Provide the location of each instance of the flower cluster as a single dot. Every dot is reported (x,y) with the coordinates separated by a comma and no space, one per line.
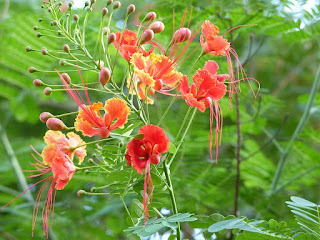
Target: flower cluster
(148,73)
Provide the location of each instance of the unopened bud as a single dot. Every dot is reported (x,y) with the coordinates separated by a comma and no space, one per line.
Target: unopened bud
(66,48)
(28,49)
(106,31)
(116,5)
(38,35)
(55,124)
(66,77)
(47,91)
(86,3)
(76,17)
(182,35)
(32,69)
(80,193)
(62,62)
(54,23)
(70,4)
(111,38)
(146,36)
(104,76)
(44,51)
(150,16)
(45,116)
(93,1)
(157,27)
(35,28)
(131,8)
(40,20)
(37,83)
(109,2)
(155,159)
(104,11)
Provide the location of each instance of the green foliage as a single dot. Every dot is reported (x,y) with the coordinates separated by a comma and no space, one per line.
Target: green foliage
(154,225)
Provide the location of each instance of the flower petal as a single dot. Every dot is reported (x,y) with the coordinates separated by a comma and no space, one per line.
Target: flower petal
(116,109)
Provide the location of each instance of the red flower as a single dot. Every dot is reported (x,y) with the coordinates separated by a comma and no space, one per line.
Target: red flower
(217,45)
(62,169)
(129,44)
(213,44)
(142,152)
(207,87)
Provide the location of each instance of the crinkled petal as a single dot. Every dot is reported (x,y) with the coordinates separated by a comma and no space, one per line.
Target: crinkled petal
(209,29)
(53,137)
(155,136)
(211,66)
(75,140)
(116,109)
(49,153)
(85,127)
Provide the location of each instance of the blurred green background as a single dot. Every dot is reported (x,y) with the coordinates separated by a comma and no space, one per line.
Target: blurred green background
(283,55)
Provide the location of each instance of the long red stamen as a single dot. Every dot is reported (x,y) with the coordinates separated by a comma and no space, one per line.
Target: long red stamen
(250,25)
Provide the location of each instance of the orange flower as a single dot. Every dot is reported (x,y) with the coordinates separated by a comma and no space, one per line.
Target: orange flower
(213,44)
(152,73)
(62,170)
(129,44)
(208,87)
(90,122)
(58,142)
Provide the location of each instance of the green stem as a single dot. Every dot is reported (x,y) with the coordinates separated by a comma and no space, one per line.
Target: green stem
(298,130)
(172,197)
(184,135)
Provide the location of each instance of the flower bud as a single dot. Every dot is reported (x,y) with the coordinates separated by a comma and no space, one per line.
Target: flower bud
(32,69)
(157,27)
(116,5)
(38,35)
(104,76)
(44,51)
(111,38)
(62,62)
(35,28)
(66,77)
(182,35)
(70,4)
(155,159)
(104,11)
(40,20)
(76,17)
(109,2)
(47,91)
(66,48)
(106,31)
(28,49)
(55,124)
(146,36)
(45,116)
(80,193)
(37,83)
(54,23)
(131,8)
(86,3)
(150,16)
(93,1)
